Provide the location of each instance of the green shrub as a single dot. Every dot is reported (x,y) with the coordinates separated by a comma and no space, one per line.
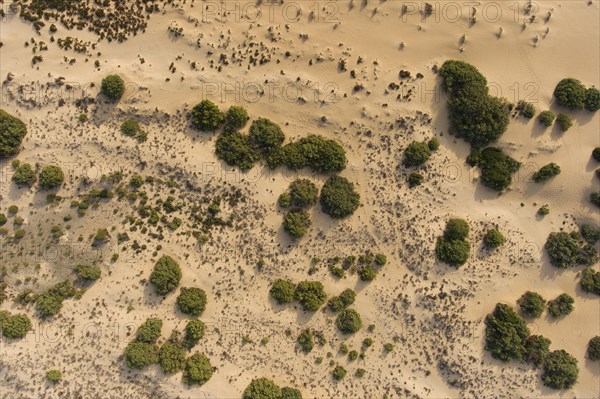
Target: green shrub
(265,136)
(3,219)
(171,357)
(564,122)
(380,259)
(590,281)
(311,295)
(283,291)
(493,239)
(15,326)
(290,393)
(537,348)
(262,388)
(53,376)
(88,272)
(305,339)
(24,175)
(149,331)
(595,198)
(526,109)
(194,331)
(48,304)
(315,152)
(348,321)
(570,93)
(136,181)
(546,172)
(338,198)
(166,275)
(192,301)
(456,229)
(546,118)
(562,305)
(544,210)
(452,252)
(505,334)
(459,75)
(433,144)
(562,249)
(12,132)
(596,154)
(303,193)
(497,168)
(296,223)
(593,350)
(235,119)
(130,128)
(417,153)
(285,200)
(234,148)
(415,179)
(140,354)
(590,233)
(592,99)
(113,87)
(560,370)
(345,299)
(206,116)
(367,273)
(51,177)
(339,373)
(532,304)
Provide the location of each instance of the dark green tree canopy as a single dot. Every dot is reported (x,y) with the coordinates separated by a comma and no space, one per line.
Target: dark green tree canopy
(113,87)
(560,370)
(192,301)
(338,198)
(265,136)
(283,291)
(149,331)
(166,275)
(12,132)
(262,388)
(311,294)
(51,177)
(303,193)
(349,321)
(235,149)
(505,334)
(235,119)
(296,223)
(532,304)
(417,153)
(594,348)
(206,116)
(198,370)
(497,168)
(570,93)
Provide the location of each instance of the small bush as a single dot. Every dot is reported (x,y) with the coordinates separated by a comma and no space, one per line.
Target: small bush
(130,128)
(493,239)
(415,179)
(537,348)
(171,357)
(166,275)
(206,116)
(303,193)
(24,175)
(305,339)
(311,295)
(296,223)
(349,321)
(544,210)
(53,376)
(12,132)
(198,370)
(149,331)
(526,109)
(497,168)
(338,198)
(262,388)
(367,273)
(345,299)
(532,304)
(590,281)
(564,122)
(505,334)
(593,350)
(562,305)
(283,291)
(592,99)
(48,304)
(88,272)
(290,393)
(570,93)
(15,326)
(590,233)
(194,331)
(113,87)
(285,200)
(339,373)
(138,354)
(595,198)
(546,172)
(456,229)
(234,148)
(560,370)
(3,219)
(51,177)
(546,118)
(265,136)
(315,152)
(192,301)
(453,252)
(416,154)
(235,119)
(433,144)
(596,154)
(562,249)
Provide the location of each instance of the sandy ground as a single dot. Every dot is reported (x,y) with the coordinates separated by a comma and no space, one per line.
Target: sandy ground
(435,312)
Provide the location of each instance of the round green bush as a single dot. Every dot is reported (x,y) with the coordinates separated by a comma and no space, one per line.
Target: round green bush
(262,388)
(88,272)
(560,370)
(24,175)
(48,304)
(113,87)
(130,128)
(338,373)
(537,349)
(236,118)
(415,179)
(433,144)
(348,321)
(194,331)
(562,305)
(417,153)
(590,281)
(546,172)
(283,291)
(171,357)
(315,152)
(592,99)
(15,326)
(526,109)
(367,273)
(296,223)
(53,376)
(452,252)
(265,136)
(505,334)
(166,275)
(596,154)
(285,200)
(595,198)
(3,219)
(198,370)
(532,304)
(345,299)
(338,198)
(564,122)
(140,354)
(51,177)
(303,193)
(12,132)
(497,168)
(590,233)
(570,93)
(306,341)
(311,295)
(493,239)
(459,75)
(456,229)
(593,350)
(149,331)
(206,116)
(546,118)
(192,301)
(234,148)
(290,393)
(562,249)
